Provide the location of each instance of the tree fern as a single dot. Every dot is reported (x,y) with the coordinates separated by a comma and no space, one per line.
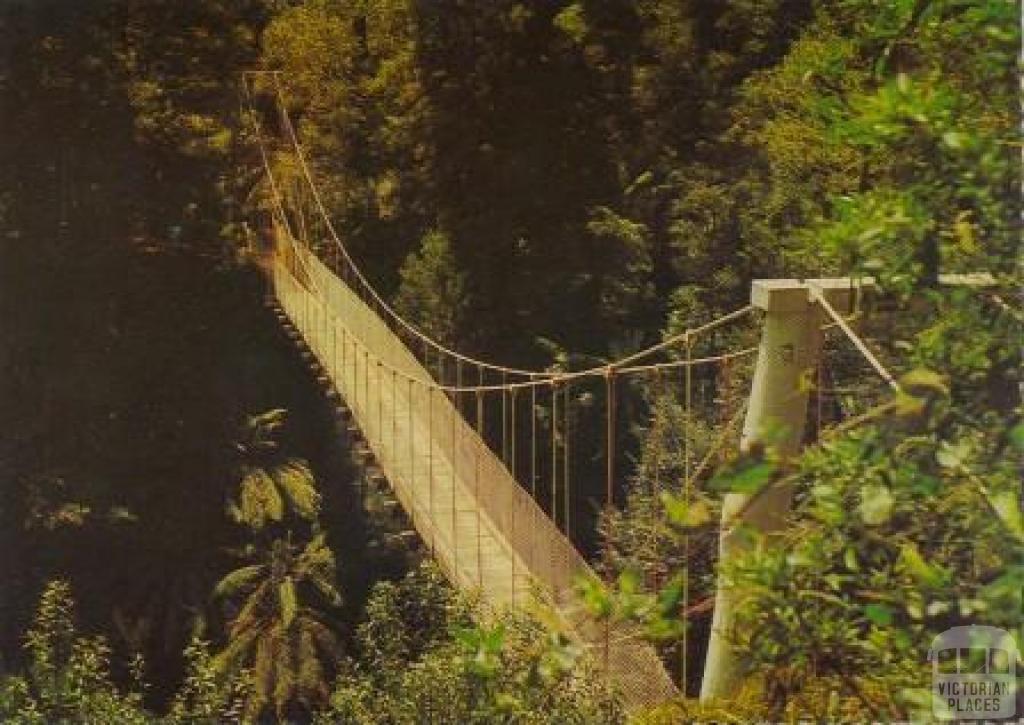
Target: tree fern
(271,485)
(281,639)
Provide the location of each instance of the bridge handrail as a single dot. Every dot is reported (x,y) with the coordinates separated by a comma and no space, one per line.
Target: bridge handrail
(535,376)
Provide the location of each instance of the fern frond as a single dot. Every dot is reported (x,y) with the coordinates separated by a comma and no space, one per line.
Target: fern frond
(288,601)
(330,592)
(238,580)
(310,677)
(233,512)
(269,420)
(262,427)
(323,636)
(236,652)
(259,499)
(296,481)
(284,682)
(264,665)
(317,560)
(247,618)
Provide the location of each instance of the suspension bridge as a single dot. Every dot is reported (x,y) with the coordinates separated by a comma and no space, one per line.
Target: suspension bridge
(480,455)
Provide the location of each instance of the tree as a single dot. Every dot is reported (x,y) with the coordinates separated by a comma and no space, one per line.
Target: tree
(432,292)
(351,78)
(271,486)
(68,677)
(178,65)
(274,633)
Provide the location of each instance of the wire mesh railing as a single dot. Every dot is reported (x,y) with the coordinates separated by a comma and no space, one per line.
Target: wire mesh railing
(484,529)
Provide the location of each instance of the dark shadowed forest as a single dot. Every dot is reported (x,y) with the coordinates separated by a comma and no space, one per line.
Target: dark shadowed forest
(189,533)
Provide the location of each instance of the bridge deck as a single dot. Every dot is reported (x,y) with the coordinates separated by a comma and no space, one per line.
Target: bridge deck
(485,531)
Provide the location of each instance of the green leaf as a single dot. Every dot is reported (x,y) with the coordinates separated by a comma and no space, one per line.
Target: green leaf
(953,139)
(879,614)
(572,22)
(748,478)
(925,485)
(1006,504)
(685,514)
(595,596)
(468,637)
(850,559)
(917,567)
(629,581)
(922,381)
(909,406)
(1016,436)
(876,504)
(671,595)
(494,638)
(664,628)
(953,455)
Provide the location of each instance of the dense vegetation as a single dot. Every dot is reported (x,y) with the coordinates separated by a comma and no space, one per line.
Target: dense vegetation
(539,183)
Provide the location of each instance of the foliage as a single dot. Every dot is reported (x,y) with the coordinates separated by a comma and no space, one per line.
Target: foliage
(904,526)
(432,291)
(665,525)
(622,276)
(176,63)
(403,620)
(268,479)
(349,69)
(422,658)
(276,633)
(68,678)
(544,139)
(907,528)
(204,696)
